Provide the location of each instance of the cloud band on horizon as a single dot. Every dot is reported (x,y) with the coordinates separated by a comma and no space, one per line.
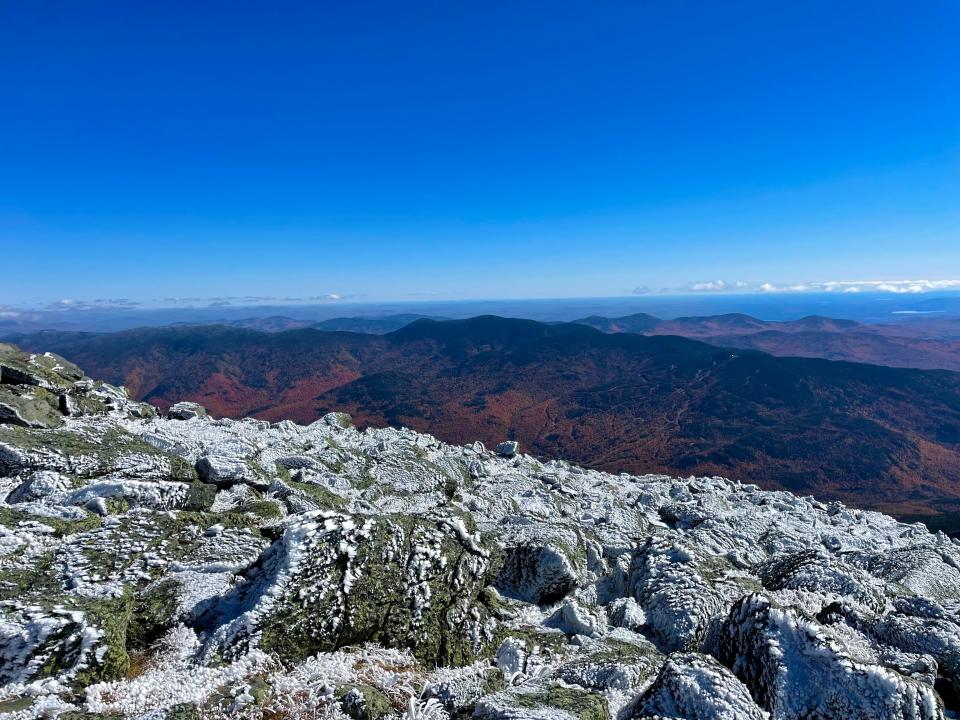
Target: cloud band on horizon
(845,286)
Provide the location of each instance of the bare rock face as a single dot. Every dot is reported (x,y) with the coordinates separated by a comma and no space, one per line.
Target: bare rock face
(168,567)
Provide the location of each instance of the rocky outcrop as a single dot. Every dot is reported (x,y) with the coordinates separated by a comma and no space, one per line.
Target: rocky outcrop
(696,687)
(508,448)
(186,411)
(335,579)
(537,573)
(796,669)
(38,391)
(29,406)
(48,371)
(165,566)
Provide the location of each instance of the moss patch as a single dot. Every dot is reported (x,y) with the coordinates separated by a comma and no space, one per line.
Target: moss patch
(153,614)
(11,518)
(325,498)
(11,705)
(363,702)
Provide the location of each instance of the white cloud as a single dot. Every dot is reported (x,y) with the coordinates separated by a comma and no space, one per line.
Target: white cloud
(710,286)
(846,286)
(721,286)
(100,304)
(891,286)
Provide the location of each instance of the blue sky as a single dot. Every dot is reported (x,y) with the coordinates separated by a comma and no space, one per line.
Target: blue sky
(468,150)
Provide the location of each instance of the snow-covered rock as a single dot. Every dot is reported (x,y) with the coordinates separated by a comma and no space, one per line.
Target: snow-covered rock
(186,411)
(508,448)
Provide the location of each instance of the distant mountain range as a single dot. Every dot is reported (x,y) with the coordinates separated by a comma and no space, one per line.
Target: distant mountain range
(926,343)
(376,325)
(876,436)
(919,340)
(929,343)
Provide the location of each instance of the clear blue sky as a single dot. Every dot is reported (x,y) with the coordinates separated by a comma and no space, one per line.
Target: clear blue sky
(408,149)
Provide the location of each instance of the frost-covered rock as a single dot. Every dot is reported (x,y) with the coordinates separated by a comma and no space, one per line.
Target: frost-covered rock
(680,591)
(542,701)
(186,411)
(574,619)
(47,371)
(508,448)
(32,407)
(796,670)
(226,471)
(626,613)
(39,485)
(540,574)
(696,687)
(333,579)
(619,663)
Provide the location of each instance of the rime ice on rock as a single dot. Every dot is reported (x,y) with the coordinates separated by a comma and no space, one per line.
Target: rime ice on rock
(508,448)
(186,411)
(159,567)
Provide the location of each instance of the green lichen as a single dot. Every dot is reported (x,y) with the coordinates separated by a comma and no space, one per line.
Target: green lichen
(16,704)
(373,706)
(38,584)
(378,607)
(579,703)
(339,419)
(548,641)
(12,517)
(334,465)
(62,649)
(183,711)
(181,469)
(66,448)
(325,498)
(263,510)
(259,690)
(367,479)
(154,612)
(117,505)
(200,496)
(112,616)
